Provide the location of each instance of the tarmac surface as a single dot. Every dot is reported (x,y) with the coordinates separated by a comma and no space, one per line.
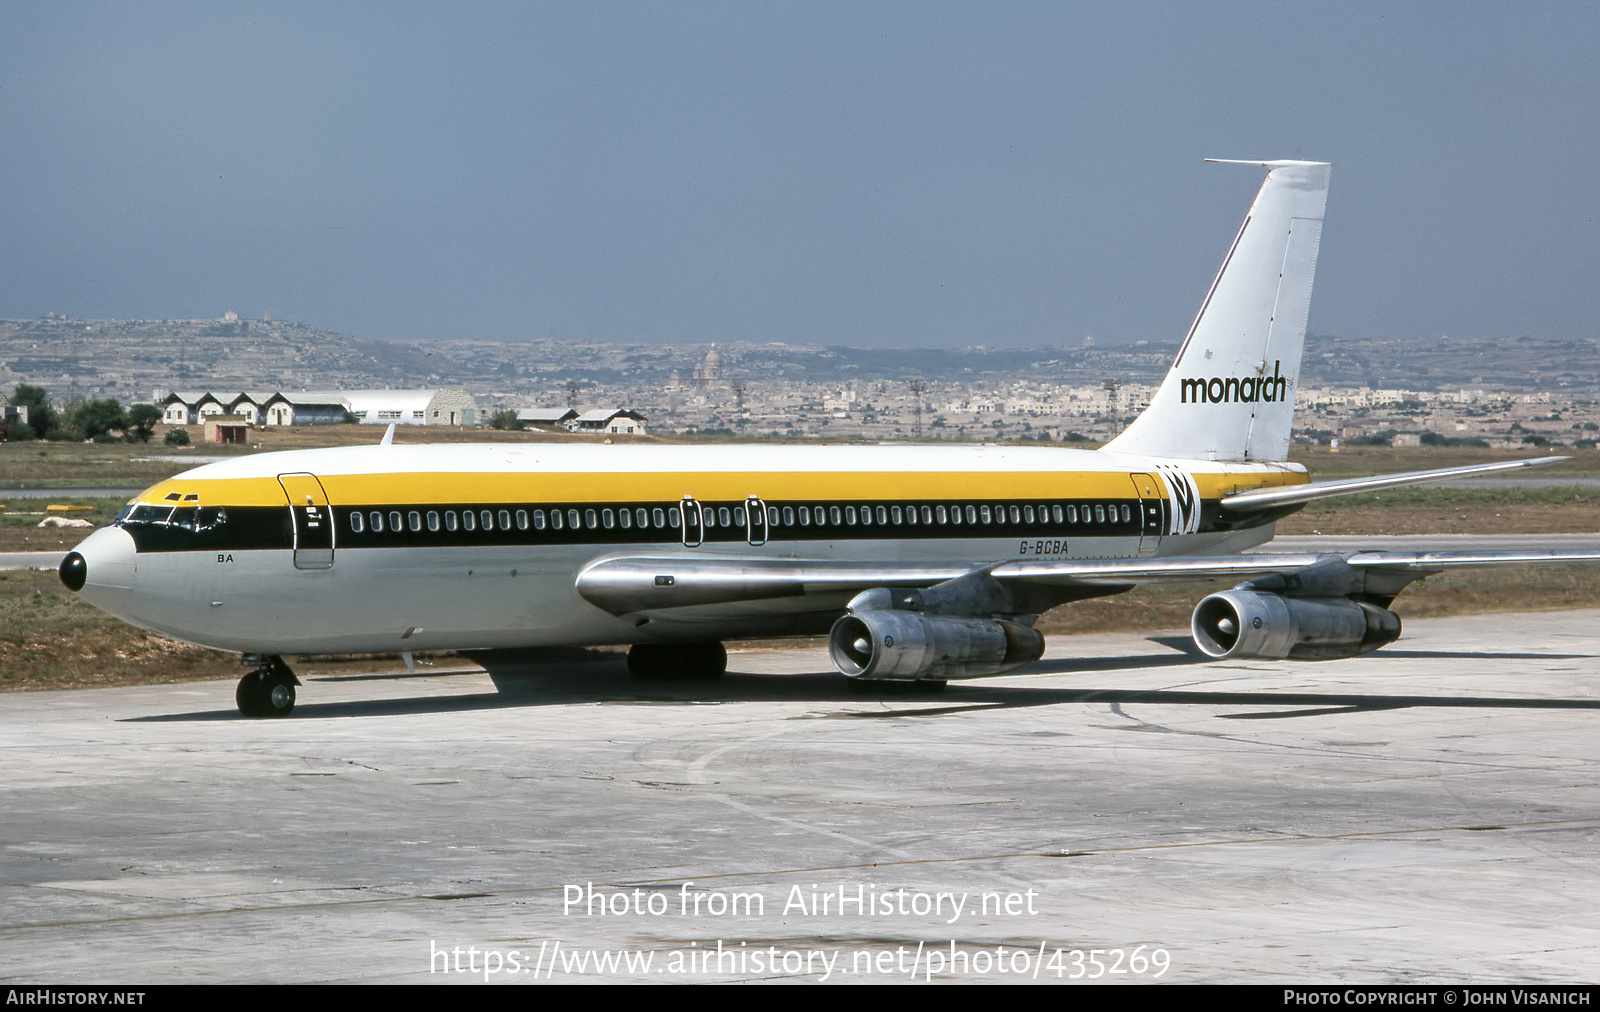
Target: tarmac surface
(1427,813)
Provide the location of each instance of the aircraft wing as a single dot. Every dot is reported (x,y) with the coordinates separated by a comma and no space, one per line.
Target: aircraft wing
(1174,570)
(624,586)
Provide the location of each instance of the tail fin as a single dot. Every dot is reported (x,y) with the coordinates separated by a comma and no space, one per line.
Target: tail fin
(1230,392)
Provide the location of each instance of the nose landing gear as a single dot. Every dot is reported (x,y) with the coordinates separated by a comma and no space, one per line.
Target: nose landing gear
(268,690)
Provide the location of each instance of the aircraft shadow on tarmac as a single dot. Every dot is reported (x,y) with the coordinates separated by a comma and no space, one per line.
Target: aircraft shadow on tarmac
(604,678)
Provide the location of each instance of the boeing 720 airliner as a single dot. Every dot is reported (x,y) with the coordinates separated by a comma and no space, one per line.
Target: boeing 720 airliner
(922,563)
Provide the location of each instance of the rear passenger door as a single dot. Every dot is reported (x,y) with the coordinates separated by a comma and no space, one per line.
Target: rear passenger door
(1150,519)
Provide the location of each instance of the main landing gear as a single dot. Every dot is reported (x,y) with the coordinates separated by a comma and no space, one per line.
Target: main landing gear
(268,690)
(661,662)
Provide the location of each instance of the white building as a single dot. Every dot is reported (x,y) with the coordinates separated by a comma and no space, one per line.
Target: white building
(446,406)
(621,421)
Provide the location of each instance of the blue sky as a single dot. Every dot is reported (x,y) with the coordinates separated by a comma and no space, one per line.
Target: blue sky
(896,174)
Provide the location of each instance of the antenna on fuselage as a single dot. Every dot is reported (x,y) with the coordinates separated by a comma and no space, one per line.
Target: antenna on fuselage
(388,436)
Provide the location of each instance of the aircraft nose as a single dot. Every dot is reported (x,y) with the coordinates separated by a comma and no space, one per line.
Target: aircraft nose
(100,570)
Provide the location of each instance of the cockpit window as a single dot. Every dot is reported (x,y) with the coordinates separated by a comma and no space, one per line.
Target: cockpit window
(187,518)
(147,514)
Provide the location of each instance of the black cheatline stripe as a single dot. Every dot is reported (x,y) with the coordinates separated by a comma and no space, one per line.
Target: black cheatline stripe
(269,527)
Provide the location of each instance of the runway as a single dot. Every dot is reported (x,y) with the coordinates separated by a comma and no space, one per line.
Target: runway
(31,560)
(1424,814)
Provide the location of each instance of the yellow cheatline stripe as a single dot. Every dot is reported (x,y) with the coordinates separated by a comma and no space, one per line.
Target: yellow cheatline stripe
(445,488)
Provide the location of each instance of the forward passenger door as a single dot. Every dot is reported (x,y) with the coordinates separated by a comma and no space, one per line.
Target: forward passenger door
(312,520)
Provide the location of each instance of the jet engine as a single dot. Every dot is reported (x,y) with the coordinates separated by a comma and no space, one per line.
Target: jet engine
(1243,623)
(907,646)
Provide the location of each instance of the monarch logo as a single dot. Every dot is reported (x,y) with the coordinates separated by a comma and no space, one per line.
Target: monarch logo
(1183,516)
(1243,389)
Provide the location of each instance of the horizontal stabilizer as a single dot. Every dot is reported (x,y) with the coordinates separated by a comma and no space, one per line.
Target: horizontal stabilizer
(1268,497)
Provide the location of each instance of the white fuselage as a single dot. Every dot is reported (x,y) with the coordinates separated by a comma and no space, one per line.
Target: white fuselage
(261,581)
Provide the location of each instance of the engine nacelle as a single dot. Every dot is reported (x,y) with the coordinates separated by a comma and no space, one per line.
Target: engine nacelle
(908,645)
(1250,623)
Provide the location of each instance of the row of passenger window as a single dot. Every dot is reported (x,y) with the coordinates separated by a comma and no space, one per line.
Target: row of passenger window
(1001,513)
(711,517)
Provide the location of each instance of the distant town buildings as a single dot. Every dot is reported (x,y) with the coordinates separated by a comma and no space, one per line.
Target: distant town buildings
(1506,392)
(709,372)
